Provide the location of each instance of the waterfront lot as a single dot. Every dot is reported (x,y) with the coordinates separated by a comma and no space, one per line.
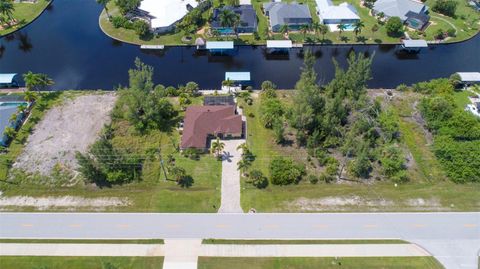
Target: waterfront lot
(427,190)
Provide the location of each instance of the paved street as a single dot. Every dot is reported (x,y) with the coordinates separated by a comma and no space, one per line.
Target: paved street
(453,238)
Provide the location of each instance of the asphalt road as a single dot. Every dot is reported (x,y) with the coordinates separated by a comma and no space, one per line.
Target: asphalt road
(453,238)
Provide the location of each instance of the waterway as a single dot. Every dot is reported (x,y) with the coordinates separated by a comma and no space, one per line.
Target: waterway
(67,44)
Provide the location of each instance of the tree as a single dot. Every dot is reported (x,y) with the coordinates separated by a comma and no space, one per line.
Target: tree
(6,11)
(30,96)
(284,29)
(304,28)
(394,27)
(104,3)
(315,26)
(284,171)
(142,29)
(445,7)
(9,132)
(36,81)
(358,27)
(323,30)
(217,147)
(369,3)
(374,29)
(270,110)
(126,6)
(341,27)
(229,19)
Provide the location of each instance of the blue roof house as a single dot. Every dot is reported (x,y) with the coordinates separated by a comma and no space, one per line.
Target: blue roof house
(294,15)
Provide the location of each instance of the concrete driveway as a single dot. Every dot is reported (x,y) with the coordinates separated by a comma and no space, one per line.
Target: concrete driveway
(230,202)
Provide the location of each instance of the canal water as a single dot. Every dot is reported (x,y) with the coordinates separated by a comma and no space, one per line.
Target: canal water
(67,44)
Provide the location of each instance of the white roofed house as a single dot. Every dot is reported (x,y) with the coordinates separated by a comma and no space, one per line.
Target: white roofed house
(411,12)
(344,13)
(164,14)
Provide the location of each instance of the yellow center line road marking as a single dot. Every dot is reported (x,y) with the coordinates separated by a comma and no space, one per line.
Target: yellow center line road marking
(419,225)
(222,226)
(26,225)
(470,225)
(369,226)
(123,226)
(272,226)
(320,226)
(75,225)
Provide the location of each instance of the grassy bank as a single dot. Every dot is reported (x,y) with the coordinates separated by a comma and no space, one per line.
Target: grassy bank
(25,13)
(314,263)
(427,190)
(80,262)
(82,241)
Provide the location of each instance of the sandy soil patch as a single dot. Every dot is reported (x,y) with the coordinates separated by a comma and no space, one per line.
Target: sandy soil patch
(337,203)
(65,129)
(64,202)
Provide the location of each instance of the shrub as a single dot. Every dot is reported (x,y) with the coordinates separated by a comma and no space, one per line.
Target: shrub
(313,179)
(191,153)
(451,32)
(394,27)
(326,178)
(142,29)
(439,34)
(258,179)
(284,171)
(121,22)
(402,88)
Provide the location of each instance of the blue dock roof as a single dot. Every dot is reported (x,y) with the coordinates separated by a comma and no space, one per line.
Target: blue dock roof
(219,45)
(237,76)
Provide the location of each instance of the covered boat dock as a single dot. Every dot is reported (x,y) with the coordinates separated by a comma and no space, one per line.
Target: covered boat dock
(220,47)
(411,45)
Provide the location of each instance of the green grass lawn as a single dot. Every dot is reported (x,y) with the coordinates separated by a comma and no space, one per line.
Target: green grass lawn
(82,241)
(306,242)
(26,262)
(315,263)
(25,13)
(427,184)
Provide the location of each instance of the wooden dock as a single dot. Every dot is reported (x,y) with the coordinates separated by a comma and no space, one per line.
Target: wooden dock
(152,47)
(297,45)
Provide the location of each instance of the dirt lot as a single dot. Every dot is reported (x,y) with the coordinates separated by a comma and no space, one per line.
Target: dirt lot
(65,129)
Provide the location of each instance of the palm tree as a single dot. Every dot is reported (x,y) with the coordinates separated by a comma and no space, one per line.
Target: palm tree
(30,96)
(21,108)
(315,27)
(358,27)
(104,3)
(243,147)
(217,147)
(323,30)
(374,29)
(243,166)
(341,27)
(229,19)
(304,28)
(9,132)
(36,81)
(284,29)
(6,11)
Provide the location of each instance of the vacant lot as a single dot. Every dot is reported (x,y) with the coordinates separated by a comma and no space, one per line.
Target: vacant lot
(428,189)
(65,129)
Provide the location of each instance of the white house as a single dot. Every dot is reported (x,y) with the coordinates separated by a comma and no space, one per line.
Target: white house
(165,13)
(341,14)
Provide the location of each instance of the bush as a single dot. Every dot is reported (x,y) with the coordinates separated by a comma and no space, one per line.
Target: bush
(445,7)
(121,22)
(439,34)
(394,27)
(324,177)
(402,88)
(191,153)
(313,179)
(126,6)
(451,32)
(258,179)
(141,27)
(285,171)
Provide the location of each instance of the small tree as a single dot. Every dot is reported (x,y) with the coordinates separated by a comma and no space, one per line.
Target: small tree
(358,27)
(9,132)
(217,147)
(323,30)
(284,171)
(341,27)
(284,29)
(30,96)
(394,27)
(258,179)
(445,7)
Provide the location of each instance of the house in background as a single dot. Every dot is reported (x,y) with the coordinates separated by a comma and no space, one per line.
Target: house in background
(333,15)
(294,15)
(202,123)
(248,20)
(413,13)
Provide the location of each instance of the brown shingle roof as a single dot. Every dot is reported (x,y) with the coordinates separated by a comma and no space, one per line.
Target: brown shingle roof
(201,121)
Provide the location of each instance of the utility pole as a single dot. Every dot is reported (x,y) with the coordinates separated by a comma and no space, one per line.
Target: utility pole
(161,164)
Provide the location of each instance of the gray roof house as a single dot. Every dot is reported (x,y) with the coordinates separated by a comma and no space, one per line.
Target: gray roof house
(294,15)
(248,19)
(413,13)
